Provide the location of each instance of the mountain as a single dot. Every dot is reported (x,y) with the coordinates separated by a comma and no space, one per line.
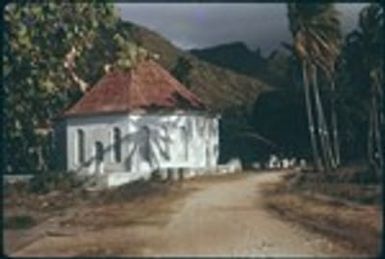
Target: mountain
(219,88)
(236,56)
(275,69)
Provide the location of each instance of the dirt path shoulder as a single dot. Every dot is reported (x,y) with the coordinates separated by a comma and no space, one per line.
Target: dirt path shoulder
(224,217)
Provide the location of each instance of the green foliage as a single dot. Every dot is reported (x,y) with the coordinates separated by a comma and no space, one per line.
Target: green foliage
(361,78)
(129,53)
(37,38)
(316,31)
(280,116)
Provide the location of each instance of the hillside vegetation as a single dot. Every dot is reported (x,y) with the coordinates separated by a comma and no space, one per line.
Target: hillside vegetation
(276,68)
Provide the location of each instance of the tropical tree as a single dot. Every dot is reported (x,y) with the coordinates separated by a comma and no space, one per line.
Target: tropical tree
(52,53)
(364,47)
(316,35)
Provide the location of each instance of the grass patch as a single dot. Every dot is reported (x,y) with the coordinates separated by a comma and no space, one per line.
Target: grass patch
(367,194)
(139,189)
(143,203)
(90,213)
(47,194)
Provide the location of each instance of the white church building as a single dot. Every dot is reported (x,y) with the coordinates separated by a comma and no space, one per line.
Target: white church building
(133,123)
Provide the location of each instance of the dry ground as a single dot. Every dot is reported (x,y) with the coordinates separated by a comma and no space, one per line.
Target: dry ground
(223,215)
(356,226)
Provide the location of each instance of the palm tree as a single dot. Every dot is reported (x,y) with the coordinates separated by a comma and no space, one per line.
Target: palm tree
(367,39)
(316,34)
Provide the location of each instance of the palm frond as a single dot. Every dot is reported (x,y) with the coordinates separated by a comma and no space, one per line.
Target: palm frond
(316,32)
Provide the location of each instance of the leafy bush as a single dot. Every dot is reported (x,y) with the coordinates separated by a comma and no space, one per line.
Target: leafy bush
(47,182)
(19,222)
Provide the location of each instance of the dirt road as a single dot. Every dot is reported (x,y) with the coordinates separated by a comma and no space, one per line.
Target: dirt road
(220,218)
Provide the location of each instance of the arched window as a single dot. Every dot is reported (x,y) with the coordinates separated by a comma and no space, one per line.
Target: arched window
(145,149)
(99,152)
(117,145)
(80,146)
(185,142)
(167,140)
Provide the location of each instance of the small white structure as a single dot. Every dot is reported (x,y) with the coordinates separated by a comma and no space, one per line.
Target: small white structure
(131,124)
(256,165)
(232,166)
(292,162)
(285,163)
(273,162)
(302,163)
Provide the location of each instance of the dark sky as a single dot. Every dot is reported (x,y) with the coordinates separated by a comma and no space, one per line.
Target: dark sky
(198,25)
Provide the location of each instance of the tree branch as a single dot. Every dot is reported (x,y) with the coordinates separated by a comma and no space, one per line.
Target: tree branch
(69,64)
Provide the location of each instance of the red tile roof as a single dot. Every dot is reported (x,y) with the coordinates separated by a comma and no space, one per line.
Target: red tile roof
(147,86)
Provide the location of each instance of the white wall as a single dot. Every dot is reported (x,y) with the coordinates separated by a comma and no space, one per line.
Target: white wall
(96,128)
(165,129)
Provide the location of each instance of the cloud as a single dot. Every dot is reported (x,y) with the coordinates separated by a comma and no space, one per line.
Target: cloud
(198,25)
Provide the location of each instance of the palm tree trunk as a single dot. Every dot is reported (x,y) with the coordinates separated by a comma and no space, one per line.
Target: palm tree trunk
(379,105)
(322,126)
(370,140)
(321,137)
(336,144)
(378,154)
(375,149)
(316,156)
